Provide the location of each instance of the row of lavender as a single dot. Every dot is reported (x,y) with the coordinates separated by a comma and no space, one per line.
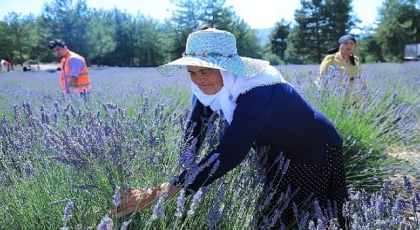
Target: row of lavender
(62,159)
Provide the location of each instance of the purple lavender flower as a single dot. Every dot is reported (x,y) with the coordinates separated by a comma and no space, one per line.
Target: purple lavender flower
(275,218)
(198,196)
(397,211)
(186,160)
(16,114)
(279,158)
(303,220)
(407,184)
(111,180)
(125,224)
(68,210)
(417,196)
(117,198)
(386,187)
(380,206)
(269,198)
(214,168)
(29,169)
(285,166)
(215,212)
(192,174)
(312,225)
(180,203)
(106,223)
(158,210)
(153,140)
(322,220)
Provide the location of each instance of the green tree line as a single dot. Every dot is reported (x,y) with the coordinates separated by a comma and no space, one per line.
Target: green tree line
(117,38)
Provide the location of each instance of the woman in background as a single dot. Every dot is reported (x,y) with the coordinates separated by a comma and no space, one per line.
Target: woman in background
(341,62)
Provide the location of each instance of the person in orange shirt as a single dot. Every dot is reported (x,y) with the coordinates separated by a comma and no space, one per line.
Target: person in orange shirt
(74,75)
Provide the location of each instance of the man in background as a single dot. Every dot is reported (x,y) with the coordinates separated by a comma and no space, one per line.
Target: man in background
(74,75)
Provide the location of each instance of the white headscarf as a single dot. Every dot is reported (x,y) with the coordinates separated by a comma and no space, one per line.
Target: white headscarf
(233,86)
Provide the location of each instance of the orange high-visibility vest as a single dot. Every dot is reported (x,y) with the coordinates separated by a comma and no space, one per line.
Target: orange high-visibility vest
(83,80)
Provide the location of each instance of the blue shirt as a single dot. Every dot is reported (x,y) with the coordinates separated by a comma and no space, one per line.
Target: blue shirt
(275,116)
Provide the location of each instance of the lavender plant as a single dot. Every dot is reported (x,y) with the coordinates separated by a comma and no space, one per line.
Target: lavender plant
(63,160)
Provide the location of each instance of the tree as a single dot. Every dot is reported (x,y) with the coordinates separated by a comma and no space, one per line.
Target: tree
(70,22)
(368,48)
(192,13)
(398,25)
(117,38)
(19,38)
(247,42)
(124,38)
(278,38)
(306,41)
(185,20)
(100,39)
(340,19)
(319,24)
(150,46)
(6,41)
(213,12)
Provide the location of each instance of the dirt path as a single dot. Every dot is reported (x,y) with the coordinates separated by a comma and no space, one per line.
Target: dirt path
(410,158)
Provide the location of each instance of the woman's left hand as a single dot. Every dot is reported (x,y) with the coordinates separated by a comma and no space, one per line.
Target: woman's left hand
(139,199)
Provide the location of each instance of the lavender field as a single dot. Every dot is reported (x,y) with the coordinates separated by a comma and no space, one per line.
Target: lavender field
(63,159)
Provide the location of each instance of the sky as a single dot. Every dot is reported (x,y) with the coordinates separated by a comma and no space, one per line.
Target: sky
(258,14)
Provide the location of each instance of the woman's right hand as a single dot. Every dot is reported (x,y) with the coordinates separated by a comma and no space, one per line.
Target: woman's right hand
(137,200)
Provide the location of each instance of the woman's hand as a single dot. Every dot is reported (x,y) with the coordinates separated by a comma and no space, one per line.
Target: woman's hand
(139,199)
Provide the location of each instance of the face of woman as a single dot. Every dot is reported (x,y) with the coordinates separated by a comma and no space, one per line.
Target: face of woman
(208,80)
(347,46)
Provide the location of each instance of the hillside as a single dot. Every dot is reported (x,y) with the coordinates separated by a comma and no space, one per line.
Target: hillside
(263,35)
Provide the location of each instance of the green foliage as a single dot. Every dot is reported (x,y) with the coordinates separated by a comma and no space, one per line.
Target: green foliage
(319,24)
(278,38)
(117,38)
(368,48)
(306,42)
(340,19)
(399,24)
(191,14)
(101,36)
(272,58)
(19,37)
(67,20)
(370,59)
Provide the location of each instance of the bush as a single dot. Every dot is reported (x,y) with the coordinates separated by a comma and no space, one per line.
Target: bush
(371,59)
(273,59)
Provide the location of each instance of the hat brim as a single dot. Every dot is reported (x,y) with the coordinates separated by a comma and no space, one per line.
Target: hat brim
(240,66)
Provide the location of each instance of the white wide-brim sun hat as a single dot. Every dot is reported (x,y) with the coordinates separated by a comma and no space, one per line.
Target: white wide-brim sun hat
(215,49)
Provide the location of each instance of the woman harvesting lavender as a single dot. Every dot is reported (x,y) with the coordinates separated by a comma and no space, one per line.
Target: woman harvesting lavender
(262,109)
